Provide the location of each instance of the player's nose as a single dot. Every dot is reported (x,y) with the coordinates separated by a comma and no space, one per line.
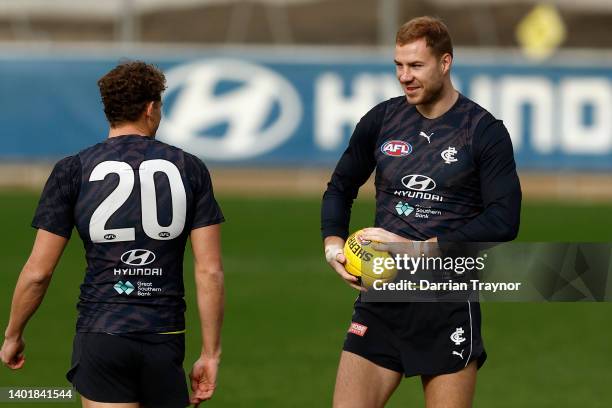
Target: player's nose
(406,77)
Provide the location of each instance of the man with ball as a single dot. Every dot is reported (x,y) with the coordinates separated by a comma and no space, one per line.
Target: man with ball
(445,172)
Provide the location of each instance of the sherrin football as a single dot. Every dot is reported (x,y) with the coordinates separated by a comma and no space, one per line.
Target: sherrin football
(366,262)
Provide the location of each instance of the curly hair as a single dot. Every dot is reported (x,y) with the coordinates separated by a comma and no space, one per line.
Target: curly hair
(432,29)
(128,88)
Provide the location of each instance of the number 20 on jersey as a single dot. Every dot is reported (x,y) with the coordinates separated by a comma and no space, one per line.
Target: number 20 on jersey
(117,198)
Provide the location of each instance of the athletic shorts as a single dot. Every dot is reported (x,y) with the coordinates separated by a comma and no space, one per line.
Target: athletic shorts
(145,368)
(417,338)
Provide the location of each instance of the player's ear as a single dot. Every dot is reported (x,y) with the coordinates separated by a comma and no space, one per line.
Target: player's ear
(150,109)
(445,63)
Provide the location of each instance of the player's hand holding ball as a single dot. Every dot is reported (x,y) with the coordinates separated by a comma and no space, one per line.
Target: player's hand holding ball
(368,259)
(384,240)
(334,255)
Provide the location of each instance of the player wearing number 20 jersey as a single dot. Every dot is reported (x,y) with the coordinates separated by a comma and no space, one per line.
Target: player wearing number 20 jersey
(134,201)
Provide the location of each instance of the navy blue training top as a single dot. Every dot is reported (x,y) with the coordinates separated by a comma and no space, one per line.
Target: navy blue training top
(134,201)
(452,177)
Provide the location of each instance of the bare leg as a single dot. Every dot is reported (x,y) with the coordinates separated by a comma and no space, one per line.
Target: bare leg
(92,404)
(363,384)
(454,390)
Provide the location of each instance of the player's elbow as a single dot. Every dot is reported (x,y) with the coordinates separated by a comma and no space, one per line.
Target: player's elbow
(36,275)
(509,233)
(210,271)
(513,223)
(210,280)
(503,222)
(508,230)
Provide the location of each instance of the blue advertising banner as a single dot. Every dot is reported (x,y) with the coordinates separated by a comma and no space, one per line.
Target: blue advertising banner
(284,108)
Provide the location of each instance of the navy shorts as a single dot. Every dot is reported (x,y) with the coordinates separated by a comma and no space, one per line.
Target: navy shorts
(145,368)
(417,338)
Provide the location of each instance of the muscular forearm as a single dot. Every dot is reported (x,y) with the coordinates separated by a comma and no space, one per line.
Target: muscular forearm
(29,293)
(211,294)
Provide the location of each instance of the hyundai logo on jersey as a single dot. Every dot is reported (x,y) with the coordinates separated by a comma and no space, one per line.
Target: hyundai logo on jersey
(138,257)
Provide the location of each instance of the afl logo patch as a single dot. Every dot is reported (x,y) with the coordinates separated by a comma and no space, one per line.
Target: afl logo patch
(396,148)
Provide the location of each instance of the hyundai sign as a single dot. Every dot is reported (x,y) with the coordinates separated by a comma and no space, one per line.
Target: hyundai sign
(260,109)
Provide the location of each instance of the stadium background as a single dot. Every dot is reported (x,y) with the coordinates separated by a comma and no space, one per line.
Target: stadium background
(287,313)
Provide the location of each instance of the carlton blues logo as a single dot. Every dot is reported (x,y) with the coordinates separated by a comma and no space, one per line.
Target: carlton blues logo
(396,148)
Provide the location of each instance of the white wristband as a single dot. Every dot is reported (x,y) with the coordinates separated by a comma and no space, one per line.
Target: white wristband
(331,251)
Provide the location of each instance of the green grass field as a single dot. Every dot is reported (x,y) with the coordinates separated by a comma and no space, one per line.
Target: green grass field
(287,313)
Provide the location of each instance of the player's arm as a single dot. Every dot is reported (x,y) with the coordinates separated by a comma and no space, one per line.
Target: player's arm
(29,292)
(208,270)
(206,245)
(54,221)
(351,172)
(500,189)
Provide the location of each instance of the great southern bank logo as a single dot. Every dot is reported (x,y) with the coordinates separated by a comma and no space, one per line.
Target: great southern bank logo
(224,109)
